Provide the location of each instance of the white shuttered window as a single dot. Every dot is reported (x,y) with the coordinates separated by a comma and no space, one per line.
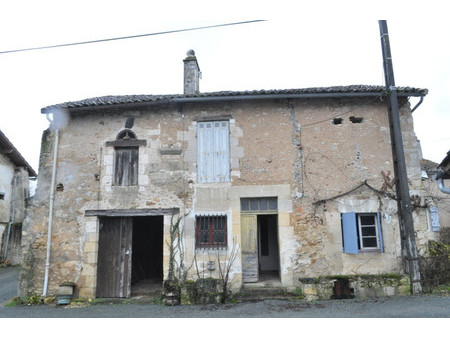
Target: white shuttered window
(213,151)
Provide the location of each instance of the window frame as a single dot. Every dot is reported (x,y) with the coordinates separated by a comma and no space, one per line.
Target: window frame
(352,233)
(126,139)
(361,236)
(211,231)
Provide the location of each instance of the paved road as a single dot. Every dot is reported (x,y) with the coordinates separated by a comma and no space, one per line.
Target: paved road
(8,283)
(424,306)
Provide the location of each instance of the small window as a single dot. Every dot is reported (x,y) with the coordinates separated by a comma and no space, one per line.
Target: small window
(126,166)
(211,231)
(126,158)
(361,232)
(337,120)
(2,196)
(259,204)
(126,135)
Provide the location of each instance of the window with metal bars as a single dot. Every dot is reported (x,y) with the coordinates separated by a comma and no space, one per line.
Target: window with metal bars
(211,231)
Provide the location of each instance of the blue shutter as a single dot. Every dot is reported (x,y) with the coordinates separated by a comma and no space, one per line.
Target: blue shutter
(380,234)
(350,232)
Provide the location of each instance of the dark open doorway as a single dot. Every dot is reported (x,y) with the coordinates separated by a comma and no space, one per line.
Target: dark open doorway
(268,251)
(147,255)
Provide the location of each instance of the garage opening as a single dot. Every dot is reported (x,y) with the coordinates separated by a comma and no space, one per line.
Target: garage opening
(147,255)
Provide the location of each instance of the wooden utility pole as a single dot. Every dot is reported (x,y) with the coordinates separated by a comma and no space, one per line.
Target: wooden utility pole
(408,240)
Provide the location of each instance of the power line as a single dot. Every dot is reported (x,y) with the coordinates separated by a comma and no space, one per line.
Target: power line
(129,37)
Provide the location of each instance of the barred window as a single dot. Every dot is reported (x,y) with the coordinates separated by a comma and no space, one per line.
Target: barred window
(211,231)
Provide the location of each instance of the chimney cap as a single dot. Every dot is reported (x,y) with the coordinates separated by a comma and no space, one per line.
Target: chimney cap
(190,53)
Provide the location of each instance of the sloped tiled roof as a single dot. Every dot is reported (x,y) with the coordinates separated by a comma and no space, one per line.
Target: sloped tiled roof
(8,149)
(336,91)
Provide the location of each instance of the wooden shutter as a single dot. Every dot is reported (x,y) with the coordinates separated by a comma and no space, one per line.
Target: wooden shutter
(126,166)
(350,233)
(434,215)
(249,248)
(213,151)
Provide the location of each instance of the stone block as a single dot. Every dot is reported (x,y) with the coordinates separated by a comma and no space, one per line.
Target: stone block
(91,247)
(284,220)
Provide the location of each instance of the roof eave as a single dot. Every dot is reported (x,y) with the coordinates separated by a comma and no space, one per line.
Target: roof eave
(216,98)
(15,156)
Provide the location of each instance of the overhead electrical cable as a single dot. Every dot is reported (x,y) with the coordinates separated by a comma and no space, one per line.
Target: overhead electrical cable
(129,37)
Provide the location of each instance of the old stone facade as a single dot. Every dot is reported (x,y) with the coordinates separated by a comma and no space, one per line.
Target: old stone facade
(271,173)
(14,195)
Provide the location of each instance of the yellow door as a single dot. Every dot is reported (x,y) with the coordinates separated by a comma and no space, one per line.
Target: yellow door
(249,248)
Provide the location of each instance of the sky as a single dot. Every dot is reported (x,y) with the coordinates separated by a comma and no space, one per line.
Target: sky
(301,44)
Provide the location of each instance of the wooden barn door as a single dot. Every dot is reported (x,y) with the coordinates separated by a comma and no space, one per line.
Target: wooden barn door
(249,237)
(114,257)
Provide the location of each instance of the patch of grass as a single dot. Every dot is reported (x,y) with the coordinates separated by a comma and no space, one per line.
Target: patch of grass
(298,294)
(28,300)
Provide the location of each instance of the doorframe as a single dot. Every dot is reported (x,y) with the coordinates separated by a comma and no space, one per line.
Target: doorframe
(256,213)
(93,226)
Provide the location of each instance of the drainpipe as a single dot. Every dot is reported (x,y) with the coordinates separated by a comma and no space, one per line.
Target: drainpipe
(440,180)
(13,216)
(50,212)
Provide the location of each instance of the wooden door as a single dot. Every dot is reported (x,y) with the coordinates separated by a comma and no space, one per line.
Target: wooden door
(114,257)
(249,248)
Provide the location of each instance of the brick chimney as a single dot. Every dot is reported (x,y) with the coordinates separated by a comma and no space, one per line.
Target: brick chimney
(191,74)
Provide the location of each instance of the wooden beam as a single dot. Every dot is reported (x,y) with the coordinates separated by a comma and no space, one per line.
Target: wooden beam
(126,143)
(132,212)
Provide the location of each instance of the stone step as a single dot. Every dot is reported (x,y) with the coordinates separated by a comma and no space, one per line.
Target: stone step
(255,291)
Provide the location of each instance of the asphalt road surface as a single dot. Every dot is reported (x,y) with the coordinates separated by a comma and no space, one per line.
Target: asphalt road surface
(422,306)
(8,283)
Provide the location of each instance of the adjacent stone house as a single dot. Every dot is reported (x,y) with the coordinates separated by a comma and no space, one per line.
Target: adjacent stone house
(299,181)
(15,173)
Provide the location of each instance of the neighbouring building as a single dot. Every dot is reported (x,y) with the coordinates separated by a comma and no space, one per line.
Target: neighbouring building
(299,181)
(15,174)
(436,202)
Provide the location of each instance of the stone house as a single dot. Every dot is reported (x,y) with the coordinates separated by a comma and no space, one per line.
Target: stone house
(15,173)
(299,181)
(435,201)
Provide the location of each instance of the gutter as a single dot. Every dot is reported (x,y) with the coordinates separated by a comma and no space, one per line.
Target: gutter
(440,180)
(50,212)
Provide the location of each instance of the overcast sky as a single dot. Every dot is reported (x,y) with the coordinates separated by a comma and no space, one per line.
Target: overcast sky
(302,44)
